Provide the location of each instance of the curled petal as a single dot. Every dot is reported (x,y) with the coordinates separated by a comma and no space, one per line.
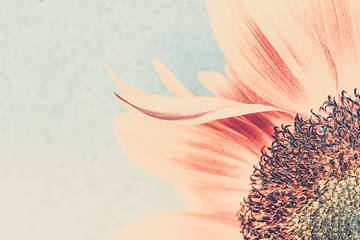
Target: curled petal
(188,110)
(178,226)
(219,85)
(170,81)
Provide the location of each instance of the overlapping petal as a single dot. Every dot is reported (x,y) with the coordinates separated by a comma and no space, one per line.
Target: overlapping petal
(219,153)
(337,24)
(178,226)
(219,85)
(273,52)
(221,202)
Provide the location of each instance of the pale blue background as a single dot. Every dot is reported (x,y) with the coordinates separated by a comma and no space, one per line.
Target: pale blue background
(62,173)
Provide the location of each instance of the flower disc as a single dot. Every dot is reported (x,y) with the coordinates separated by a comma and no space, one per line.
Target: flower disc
(307,184)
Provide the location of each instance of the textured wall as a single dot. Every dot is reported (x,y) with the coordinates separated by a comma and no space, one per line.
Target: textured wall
(62,174)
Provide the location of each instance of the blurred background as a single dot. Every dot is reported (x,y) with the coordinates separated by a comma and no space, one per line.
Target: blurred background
(62,173)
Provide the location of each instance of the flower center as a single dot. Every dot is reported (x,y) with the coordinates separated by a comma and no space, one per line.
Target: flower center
(307,183)
(334,211)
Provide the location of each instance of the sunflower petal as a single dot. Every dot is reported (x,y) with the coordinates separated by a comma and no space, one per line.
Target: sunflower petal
(188,110)
(169,80)
(124,87)
(273,53)
(216,201)
(337,23)
(178,226)
(220,153)
(219,85)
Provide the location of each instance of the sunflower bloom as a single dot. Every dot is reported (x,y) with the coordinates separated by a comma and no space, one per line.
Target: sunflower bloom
(256,161)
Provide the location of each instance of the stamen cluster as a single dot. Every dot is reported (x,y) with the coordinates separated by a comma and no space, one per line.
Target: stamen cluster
(306,184)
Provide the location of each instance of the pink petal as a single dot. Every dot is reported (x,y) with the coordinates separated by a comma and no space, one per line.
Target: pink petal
(220,153)
(219,85)
(187,110)
(124,87)
(216,201)
(178,226)
(337,23)
(170,81)
(273,52)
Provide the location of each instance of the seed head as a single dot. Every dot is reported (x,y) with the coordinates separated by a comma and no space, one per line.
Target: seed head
(306,185)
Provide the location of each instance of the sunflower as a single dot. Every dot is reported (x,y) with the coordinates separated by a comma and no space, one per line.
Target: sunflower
(256,161)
